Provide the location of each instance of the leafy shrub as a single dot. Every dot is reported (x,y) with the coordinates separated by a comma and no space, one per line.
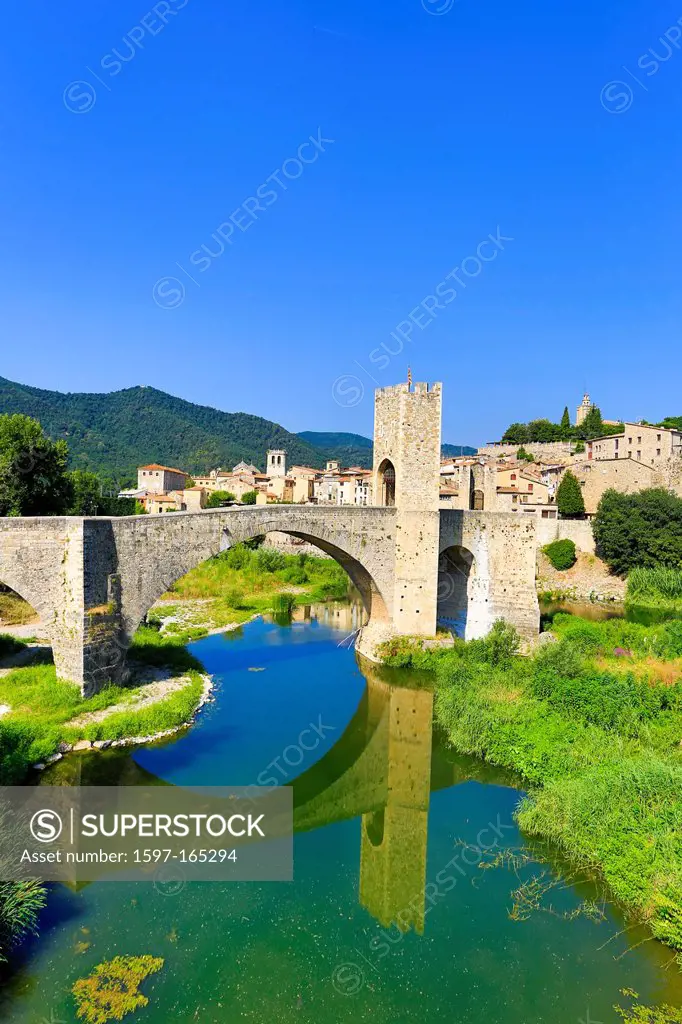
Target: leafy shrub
(296,575)
(234,597)
(270,560)
(238,557)
(497,648)
(561,554)
(249,498)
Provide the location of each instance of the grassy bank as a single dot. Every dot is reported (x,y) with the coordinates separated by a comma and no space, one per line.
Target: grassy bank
(43,707)
(242,582)
(595,729)
(658,587)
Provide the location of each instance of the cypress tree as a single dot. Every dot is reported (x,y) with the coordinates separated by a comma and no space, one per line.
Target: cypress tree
(569,497)
(566,419)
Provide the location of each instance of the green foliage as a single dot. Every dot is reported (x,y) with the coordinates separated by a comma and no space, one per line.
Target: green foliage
(249,498)
(561,553)
(234,597)
(639,1014)
(524,456)
(270,560)
(86,497)
(238,557)
(10,645)
(658,584)
(569,497)
(32,469)
(516,433)
(216,498)
(112,990)
(20,906)
(578,447)
(639,530)
(117,432)
(602,745)
(593,424)
(544,430)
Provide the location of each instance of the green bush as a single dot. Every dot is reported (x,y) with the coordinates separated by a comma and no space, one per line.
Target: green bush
(249,498)
(234,597)
(238,557)
(642,530)
(269,560)
(561,554)
(10,645)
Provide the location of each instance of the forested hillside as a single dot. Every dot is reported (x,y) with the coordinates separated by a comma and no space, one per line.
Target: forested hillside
(114,433)
(111,434)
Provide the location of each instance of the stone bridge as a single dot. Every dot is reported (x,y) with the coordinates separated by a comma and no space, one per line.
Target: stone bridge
(92,580)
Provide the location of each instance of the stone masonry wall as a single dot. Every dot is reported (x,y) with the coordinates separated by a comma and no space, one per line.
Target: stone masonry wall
(407,430)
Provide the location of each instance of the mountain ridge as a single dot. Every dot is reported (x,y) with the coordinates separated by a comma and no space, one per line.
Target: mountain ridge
(113,432)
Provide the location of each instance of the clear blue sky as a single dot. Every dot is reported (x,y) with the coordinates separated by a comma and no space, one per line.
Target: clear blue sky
(446,127)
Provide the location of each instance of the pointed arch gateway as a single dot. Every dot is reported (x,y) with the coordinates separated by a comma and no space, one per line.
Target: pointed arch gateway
(385,489)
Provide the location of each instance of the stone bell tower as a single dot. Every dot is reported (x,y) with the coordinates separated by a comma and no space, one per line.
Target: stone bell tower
(407,442)
(276,462)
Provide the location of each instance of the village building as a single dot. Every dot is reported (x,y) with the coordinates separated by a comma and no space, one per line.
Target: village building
(160,479)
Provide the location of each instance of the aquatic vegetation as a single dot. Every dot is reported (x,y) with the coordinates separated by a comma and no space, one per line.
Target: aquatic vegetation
(639,1014)
(20,905)
(112,989)
(596,734)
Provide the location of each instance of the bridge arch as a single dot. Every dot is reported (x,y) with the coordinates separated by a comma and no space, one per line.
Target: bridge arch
(456,582)
(158,551)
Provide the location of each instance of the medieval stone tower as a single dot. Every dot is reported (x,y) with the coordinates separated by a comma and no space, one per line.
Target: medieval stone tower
(277,462)
(407,441)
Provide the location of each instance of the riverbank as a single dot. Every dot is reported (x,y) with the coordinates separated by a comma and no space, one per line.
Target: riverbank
(239,584)
(43,717)
(593,722)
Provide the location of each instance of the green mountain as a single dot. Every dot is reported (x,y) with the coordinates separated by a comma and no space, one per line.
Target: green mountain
(114,433)
(452,450)
(348,449)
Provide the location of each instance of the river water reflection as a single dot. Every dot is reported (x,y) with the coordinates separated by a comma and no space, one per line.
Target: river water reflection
(396,913)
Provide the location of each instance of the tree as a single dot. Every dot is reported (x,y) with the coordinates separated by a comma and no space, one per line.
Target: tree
(217,498)
(517,433)
(642,529)
(86,494)
(523,456)
(566,420)
(593,424)
(569,497)
(544,431)
(33,480)
(249,498)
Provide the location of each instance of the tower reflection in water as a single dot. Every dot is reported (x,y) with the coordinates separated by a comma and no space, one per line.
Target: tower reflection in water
(380,770)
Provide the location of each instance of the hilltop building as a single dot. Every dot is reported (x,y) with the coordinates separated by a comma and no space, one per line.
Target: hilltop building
(160,479)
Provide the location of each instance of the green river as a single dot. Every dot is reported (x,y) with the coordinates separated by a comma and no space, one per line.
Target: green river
(391,829)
